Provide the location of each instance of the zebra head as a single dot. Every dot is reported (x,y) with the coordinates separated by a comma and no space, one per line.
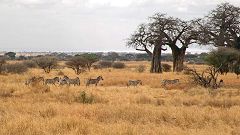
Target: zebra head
(65,77)
(57,79)
(140,82)
(100,78)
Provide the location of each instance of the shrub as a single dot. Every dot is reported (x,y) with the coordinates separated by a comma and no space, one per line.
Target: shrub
(166,67)
(47,63)
(226,59)
(141,68)
(85,98)
(30,64)
(17,68)
(105,64)
(118,65)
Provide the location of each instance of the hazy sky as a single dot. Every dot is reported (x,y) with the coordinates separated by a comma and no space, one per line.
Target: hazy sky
(85,25)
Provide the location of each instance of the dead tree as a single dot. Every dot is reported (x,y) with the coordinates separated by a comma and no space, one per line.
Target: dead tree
(208,78)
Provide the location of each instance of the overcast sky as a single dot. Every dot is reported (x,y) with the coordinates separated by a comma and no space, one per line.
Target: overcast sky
(85,25)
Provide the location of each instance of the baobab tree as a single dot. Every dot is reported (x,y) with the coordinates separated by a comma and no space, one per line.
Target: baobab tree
(221,27)
(144,40)
(177,34)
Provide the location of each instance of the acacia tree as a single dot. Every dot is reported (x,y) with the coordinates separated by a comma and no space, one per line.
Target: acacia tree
(178,35)
(77,63)
(90,59)
(221,27)
(47,63)
(144,40)
(11,55)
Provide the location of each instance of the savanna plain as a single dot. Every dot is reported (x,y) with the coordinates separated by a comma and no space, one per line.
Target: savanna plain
(115,109)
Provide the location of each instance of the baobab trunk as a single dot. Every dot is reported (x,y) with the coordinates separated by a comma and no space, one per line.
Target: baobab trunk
(156,66)
(178,58)
(237,43)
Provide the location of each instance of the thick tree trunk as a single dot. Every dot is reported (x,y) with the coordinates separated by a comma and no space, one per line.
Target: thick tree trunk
(237,43)
(178,58)
(156,66)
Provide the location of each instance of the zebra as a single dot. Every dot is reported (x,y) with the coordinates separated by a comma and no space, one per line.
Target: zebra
(134,83)
(52,81)
(29,81)
(34,80)
(94,81)
(64,80)
(165,82)
(75,81)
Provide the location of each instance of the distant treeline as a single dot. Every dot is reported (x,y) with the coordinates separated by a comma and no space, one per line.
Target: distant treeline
(113,56)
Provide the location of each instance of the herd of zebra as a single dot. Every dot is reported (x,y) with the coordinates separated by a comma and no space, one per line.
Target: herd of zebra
(63,81)
(76,81)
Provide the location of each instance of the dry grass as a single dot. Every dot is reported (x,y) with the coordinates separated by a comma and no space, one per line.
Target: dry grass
(116,109)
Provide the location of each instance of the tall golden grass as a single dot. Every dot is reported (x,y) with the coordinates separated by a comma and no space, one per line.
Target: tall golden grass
(116,109)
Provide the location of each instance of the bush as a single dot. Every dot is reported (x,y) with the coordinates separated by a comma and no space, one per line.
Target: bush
(118,65)
(17,68)
(30,64)
(85,98)
(141,68)
(105,64)
(227,59)
(166,67)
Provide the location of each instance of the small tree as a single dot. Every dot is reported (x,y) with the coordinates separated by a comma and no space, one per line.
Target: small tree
(90,59)
(78,64)
(47,63)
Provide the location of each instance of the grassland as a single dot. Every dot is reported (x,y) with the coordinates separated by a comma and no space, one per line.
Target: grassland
(149,109)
